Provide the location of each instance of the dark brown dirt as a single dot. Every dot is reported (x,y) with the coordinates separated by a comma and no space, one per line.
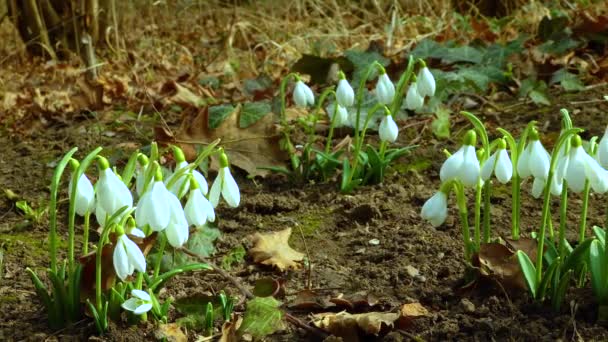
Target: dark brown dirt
(333,229)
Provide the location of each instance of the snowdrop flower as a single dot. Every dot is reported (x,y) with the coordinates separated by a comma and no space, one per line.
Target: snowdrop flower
(388,129)
(139,303)
(85,195)
(302,95)
(179,187)
(153,207)
(462,165)
(499,163)
(341,118)
(225,185)
(127,256)
(413,100)
(177,230)
(426,82)
(581,167)
(537,187)
(435,209)
(345,95)
(534,160)
(198,209)
(602,150)
(385,89)
(112,193)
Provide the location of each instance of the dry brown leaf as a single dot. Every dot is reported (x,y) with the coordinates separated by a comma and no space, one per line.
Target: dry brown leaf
(497,261)
(179,94)
(273,249)
(229,329)
(248,148)
(349,326)
(171,332)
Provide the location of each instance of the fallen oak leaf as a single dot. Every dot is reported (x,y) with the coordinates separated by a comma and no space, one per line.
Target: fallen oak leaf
(409,312)
(273,249)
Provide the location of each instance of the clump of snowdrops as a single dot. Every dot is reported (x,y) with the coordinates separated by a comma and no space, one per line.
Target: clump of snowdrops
(347,107)
(573,165)
(134,210)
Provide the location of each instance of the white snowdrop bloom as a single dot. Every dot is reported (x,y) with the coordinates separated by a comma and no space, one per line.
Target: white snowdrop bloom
(112,193)
(462,165)
(302,95)
(388,130)
(602,150)
(342,116)
(500,164)
(537,187)
(198,209)
(413,100)
(557,183)
(139,303)
(85,195)
(435,209)
(385,89)
(225,185)
(534,160)
(426,83)
(575,173)
(153,207)
(597,175)
(127,257)
(177,231)
(345,95)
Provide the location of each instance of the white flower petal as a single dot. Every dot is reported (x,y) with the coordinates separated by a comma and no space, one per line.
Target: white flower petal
(537,187)
(488,167)
(143,295)
(230,190)
(385,89)
(388,130)
(426,82)
(130,304)
(194,209)
(504,167)
(539,160)
(469,170)
(121,261)
(345,94)
(435,209)
(602,150)
(216,190)
(135,255)
(142,308)
(152,208)
(451,167)
(413,100)
(202,181)
(523,167)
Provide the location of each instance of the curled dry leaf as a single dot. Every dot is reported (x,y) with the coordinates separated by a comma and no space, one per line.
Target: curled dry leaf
(409,312)
(273,249)
(229,329)
(351,326)
(498,262)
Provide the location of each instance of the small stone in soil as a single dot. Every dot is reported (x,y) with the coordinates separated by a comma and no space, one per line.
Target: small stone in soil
(467,305)
(374,242)
(412,271)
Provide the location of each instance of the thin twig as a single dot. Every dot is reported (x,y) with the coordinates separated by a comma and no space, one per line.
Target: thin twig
(249,295)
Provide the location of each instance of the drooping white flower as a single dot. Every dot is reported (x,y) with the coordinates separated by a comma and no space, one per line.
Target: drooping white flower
(198,209)
(385,89)
(462,165)
(345,95)
(225,185)
(112,193)
(85,195)
(127,257)
(582,167)
(537,187)
(426,83)
(388,129)
(413,100)
(302,95)
(500,164)
(557,183)
(139,303)
(341,116)
(435,209)
(177,230)
(153,207)
(602,150)
(534,160)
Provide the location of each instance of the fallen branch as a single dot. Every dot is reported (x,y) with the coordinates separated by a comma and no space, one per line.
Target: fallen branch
(249,295)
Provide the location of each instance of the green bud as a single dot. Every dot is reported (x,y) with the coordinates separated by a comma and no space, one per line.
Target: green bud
(158,176)
(470,138)
(533,134)
(193,183)
(119,230)
(178,154)
(502,144)
(102,163)
(576,141)
(223,159)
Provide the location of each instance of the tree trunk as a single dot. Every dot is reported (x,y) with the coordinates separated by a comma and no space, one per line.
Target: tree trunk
(54,28)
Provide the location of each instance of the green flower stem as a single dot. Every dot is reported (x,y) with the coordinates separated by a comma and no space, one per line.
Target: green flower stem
(477,229)
(283,117)
(516,205)
(359,143)
(464,218)
(403,81)
(486,209)
(161,251)
(546,199)
(53,207)
(583,222)
(315,116)
(563,210)
(85,238)
(359,99)
(332,126)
